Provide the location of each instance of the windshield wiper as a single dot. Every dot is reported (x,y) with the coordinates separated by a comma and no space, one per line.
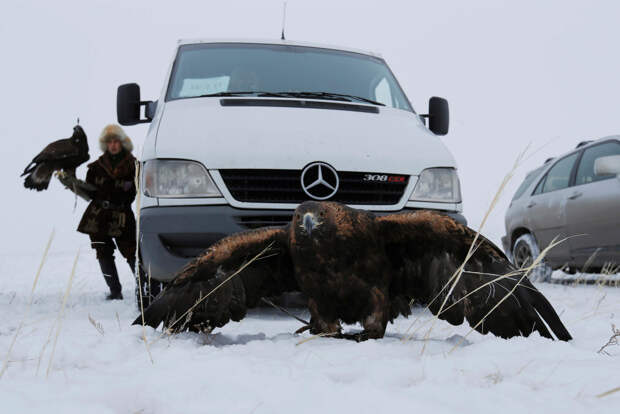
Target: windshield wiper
(238,93)
(300,94)
(326,95)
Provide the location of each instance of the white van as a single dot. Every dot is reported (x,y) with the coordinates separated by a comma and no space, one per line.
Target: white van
(244,131)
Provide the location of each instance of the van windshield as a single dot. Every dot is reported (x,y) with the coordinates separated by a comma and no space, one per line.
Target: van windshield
(220,68)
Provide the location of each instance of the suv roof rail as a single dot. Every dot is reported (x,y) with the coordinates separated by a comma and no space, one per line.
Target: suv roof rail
(582,143)
(548,159)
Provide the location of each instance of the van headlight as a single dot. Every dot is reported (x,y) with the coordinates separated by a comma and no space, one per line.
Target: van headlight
(437,185)
(177,178)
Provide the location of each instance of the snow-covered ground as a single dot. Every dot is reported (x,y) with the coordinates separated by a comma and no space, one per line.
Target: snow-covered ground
(258,365)
(507,87)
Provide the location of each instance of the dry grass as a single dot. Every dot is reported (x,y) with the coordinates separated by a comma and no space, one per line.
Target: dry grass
(454,279)
(608,272)
(523,272)
(202,298)
(459,272)
(579,279)
(507,295)
(34,285)
(96,325)
(61,312)
(146,343)
(149,285)
(613,340)
(186,316)
(321,335)
(285,311)
(606,393)
(138,182)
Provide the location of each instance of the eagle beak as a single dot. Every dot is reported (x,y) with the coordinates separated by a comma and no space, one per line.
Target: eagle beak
(309,223)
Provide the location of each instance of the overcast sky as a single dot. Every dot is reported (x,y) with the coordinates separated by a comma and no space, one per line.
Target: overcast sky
(515,73)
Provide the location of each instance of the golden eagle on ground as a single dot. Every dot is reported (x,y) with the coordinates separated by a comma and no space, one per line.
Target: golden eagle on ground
(65,154)
(353,267)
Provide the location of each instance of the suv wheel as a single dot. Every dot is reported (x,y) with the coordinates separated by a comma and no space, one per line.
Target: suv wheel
(524,251)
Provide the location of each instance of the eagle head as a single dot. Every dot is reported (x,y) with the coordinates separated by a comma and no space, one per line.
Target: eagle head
(78,134)
(312,219)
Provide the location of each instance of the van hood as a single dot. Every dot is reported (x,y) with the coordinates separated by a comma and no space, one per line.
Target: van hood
(247,137)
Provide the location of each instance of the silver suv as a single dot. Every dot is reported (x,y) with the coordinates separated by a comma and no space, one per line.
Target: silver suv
(577,195)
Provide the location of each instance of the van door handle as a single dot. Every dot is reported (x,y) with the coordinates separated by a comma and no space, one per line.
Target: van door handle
(532,204)
(575,196)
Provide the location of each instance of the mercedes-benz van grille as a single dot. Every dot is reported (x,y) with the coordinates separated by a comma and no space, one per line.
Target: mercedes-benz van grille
(284,186)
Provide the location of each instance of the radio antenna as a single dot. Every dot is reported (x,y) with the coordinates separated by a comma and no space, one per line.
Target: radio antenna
(283,20)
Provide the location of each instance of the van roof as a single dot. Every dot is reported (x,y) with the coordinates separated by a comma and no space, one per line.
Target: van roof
(279,42)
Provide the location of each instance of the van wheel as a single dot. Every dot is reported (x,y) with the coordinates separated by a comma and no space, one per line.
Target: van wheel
(150,290)
(524,251)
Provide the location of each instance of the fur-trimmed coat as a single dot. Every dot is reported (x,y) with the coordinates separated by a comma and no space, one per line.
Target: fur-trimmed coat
(109,213)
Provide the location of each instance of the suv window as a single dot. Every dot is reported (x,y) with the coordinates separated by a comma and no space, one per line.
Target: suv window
(526,183)
(585,172)
(539,187)
(558,176)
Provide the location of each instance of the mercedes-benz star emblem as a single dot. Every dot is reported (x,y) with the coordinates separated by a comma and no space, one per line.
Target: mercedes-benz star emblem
(319,180)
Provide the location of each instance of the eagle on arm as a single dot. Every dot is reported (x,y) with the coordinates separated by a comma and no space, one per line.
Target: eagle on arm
(65,154)
(356,267)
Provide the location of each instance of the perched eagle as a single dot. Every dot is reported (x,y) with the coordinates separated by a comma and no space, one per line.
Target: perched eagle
(64,154)
(356,267)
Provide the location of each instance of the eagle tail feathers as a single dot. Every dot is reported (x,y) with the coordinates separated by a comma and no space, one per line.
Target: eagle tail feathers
(30,183)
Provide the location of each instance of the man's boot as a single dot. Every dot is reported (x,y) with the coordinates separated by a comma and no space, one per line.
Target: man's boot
(110,274)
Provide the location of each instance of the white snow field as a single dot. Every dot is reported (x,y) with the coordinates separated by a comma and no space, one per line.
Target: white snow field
(258,365)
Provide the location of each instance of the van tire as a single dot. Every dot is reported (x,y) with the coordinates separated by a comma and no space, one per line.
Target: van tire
(150,290)
(524,251)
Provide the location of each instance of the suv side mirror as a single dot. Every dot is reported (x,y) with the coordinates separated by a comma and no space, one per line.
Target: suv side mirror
(608,165)
(438,115)
(128,105)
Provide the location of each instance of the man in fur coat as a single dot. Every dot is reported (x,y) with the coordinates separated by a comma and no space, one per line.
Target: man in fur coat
(108,219)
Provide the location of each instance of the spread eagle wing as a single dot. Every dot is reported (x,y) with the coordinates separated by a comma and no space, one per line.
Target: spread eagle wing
(426,250)
(241,268)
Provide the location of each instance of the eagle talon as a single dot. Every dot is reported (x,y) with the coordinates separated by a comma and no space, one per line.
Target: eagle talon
(358,337)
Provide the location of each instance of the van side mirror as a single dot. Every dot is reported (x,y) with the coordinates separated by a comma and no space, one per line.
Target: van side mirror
(438,115)
(128,105)
(608,165)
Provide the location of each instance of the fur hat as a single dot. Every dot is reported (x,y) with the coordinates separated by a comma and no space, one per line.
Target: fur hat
(114,131)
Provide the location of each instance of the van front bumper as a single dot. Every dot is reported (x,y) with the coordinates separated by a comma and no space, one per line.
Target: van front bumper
(172,236)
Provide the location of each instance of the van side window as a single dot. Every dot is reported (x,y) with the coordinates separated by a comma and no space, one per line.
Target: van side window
(558,176)
(585,172)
